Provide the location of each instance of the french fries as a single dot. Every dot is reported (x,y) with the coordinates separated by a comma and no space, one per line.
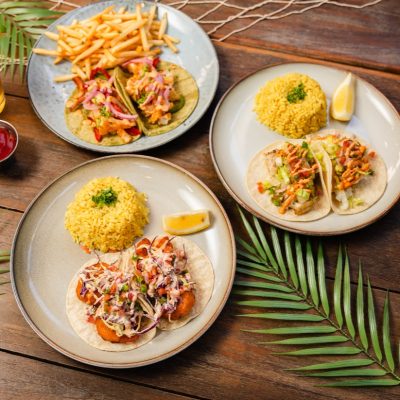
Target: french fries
(108,39)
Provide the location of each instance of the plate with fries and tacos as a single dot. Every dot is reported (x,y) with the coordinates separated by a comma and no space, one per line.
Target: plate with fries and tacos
(121,77)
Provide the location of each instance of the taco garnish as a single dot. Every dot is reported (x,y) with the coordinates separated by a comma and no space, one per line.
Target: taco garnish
(295,169)
(103,111)
(152,90)
(114,303)
(164,278)
(358,174)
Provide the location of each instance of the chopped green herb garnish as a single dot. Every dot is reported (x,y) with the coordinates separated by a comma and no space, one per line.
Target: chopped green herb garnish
(143,288)
(142,99)
(135,257)
(296,94)
(304,145)
(125,287)
(104,112)
(105,197)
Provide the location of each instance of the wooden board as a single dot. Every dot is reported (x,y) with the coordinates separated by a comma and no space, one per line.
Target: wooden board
(225,362)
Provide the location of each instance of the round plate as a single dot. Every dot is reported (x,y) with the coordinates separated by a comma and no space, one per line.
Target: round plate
(236,136)
(44,258)
(196,54)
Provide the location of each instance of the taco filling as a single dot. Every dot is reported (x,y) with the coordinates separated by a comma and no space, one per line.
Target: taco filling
(97,103)
(351,164)
(295,170)
(114,303)
(152,89)
(163,94)
(161,270)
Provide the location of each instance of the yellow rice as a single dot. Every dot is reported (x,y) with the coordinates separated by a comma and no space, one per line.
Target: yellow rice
(294,120)
(111,227)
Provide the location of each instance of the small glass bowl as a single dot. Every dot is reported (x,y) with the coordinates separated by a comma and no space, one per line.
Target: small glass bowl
(13,131)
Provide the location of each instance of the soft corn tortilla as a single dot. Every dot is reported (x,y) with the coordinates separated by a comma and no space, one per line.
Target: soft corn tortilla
(76,312)
(262,168)
(79,125)
(184,84)
(202,273)
(370,188)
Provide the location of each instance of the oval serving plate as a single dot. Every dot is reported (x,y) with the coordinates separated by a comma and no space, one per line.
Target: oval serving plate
(44,258)
(196,54)
(236,136)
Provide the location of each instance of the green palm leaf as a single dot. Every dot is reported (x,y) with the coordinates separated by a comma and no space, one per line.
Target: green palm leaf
(21,23)
(337,289)
(347,297)
(300,267)
(265,293)
(310,340)
(321,280)
(360,310)
(290,261)
(386,335)
(373,331)
(304,296)
(358,362)
(295,330)
(349,372)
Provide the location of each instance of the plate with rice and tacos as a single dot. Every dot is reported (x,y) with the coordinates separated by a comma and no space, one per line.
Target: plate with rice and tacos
(308,148)
(115,288)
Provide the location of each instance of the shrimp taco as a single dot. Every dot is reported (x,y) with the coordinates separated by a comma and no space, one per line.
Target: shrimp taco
(286,180)
(97,114)
(163,94)
(106,307)
(176,277)
(358,175)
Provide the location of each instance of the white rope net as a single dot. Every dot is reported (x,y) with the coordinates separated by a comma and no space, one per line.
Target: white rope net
(233,17)
(213,13)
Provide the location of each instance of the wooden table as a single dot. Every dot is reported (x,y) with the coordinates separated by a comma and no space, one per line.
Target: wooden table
(225,362)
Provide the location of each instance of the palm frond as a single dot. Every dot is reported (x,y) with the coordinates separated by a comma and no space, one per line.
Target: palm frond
(21,24)
(296,283)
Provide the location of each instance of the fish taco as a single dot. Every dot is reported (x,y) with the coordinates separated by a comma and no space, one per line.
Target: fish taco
(96,113)
(106,308)
(163,94)
(358,174)
(286,180)
(176,277)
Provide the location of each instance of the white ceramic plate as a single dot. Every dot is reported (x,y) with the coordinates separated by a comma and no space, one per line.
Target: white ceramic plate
(44,257)
(236,136)
(196,54)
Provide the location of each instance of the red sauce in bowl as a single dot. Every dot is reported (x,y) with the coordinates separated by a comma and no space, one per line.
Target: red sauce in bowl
(7,142)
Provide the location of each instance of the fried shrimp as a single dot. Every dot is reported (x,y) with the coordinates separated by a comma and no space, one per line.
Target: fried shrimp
(184,306)
(110,335)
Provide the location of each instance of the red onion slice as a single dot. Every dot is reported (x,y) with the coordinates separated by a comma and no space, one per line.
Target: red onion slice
(121,115)
(144,60)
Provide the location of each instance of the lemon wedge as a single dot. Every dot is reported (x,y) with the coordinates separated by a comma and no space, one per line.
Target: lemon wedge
(186,222)
(342,106)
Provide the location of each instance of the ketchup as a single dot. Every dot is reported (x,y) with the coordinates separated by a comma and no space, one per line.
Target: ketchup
(7,142)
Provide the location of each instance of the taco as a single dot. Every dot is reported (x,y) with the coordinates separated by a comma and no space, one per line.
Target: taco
(286,180)
(358,174)
(176,277)
(106,307)
(97,114)
(163,94)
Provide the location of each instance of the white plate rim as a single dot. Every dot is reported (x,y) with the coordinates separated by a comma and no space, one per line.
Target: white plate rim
(252,210)
(161,357)
(119,149)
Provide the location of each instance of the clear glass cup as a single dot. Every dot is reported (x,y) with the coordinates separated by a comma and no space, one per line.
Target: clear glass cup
(2,97)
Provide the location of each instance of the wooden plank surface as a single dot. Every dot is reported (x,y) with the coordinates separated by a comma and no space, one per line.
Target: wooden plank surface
(39,380)
(368,37)
(216,365)
(226,362)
